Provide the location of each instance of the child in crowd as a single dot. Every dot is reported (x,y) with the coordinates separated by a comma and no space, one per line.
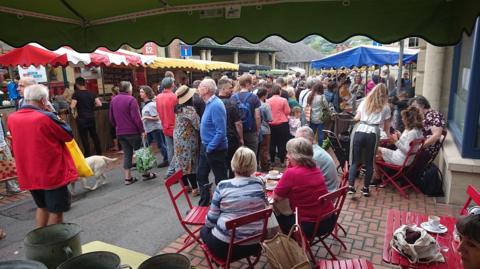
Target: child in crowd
(294,120)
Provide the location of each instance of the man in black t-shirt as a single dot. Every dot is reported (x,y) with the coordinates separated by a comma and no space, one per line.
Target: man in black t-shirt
(234,120)
(85,102)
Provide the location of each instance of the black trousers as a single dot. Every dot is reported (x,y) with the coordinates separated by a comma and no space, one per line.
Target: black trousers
(190,180)
(326,226)
(220,248)
(214,161)
(232,147)
(86,127)
(363,143)
(279,138)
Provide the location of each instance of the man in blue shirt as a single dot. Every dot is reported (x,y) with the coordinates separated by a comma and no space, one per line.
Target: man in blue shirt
(213,135)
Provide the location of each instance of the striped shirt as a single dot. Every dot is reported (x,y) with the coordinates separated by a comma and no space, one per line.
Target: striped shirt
(234,198)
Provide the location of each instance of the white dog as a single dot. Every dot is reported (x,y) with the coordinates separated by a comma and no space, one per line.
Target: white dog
(98,164)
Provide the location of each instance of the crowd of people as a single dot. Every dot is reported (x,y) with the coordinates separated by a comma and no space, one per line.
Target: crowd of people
(222,126)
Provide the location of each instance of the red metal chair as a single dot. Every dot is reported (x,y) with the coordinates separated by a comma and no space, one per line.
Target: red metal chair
(442,140)
(345,264)
(343,183)
(193,221)
(473,195)
(232,226)
(391,173)
(337,198)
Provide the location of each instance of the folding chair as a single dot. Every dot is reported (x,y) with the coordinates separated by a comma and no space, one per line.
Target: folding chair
(195,216)
(442,140)
(232,226)
(337,198)
(340,149)
(391,173)
(345,264)
(343,183)
(473,195)
(344,180)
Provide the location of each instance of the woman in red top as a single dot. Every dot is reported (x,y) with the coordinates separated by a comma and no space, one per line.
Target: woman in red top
(302,184)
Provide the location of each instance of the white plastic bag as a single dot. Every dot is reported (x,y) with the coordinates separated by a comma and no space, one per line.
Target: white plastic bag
(424,250)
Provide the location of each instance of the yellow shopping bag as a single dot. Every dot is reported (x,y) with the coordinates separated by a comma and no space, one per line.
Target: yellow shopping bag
(82,166)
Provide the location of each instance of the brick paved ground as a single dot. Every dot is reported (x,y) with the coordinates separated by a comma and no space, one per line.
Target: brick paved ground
(364,220)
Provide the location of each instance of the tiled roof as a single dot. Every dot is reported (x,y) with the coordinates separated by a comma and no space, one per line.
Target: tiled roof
(285,51)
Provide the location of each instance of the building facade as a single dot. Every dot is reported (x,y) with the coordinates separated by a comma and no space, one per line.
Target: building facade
(448,78)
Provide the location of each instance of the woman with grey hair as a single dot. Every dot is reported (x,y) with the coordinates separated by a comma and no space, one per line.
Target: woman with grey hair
(302,183)
(233,198)
(124,114)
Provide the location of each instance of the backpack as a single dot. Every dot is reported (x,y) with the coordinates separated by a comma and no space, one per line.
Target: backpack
(431,181)
(246,112)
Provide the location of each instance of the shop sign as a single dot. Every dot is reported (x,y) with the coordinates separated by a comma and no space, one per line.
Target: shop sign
(38,73)
(150,48)
(185,51)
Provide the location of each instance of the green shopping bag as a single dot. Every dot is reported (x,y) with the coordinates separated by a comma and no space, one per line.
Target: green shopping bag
(145,158)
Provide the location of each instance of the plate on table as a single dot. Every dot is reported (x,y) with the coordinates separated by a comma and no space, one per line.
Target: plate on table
(277,177)
(439,230)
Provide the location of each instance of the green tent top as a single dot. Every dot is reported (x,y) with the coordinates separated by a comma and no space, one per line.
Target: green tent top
(85,24)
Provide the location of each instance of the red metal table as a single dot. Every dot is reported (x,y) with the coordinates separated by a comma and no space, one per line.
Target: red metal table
(397,218)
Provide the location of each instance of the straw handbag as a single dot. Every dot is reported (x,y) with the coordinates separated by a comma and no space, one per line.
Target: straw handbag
(283,252)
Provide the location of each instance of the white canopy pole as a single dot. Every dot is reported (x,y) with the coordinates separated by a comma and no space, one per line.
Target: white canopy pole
(400,65)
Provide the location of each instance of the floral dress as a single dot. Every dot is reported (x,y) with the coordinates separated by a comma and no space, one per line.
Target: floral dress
(433,119)
(186,145)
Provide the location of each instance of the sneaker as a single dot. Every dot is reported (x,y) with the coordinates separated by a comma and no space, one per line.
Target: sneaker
(351,190)
(377,183)
(365,192)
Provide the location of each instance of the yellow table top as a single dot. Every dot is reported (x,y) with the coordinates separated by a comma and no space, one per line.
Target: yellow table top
(130,257)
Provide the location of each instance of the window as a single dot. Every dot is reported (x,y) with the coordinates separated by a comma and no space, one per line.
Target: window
(413,42)
(461,89)
(464,109)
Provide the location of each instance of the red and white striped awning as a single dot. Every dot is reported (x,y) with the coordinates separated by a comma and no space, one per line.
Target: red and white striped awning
(100,57)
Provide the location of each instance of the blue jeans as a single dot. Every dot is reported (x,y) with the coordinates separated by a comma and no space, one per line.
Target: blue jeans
(170,151)
(318,128)
(215,161)
(157,135)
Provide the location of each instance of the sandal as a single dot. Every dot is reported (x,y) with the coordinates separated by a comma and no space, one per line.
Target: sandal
(195,193)
(149,176)
(130,181)
(3,234)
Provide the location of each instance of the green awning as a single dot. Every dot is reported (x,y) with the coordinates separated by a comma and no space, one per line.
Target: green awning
(85,24)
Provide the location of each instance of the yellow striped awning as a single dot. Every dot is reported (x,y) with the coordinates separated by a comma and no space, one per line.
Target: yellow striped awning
(219,66)
(173,63)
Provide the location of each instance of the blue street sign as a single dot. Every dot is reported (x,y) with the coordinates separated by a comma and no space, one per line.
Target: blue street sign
(185,51)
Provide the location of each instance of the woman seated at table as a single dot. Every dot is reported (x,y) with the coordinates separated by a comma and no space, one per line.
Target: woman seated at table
(233,198)
(302,184)
(433,125)
(468,229)
(412,120)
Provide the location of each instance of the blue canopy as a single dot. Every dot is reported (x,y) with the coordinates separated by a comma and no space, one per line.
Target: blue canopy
(365,56)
